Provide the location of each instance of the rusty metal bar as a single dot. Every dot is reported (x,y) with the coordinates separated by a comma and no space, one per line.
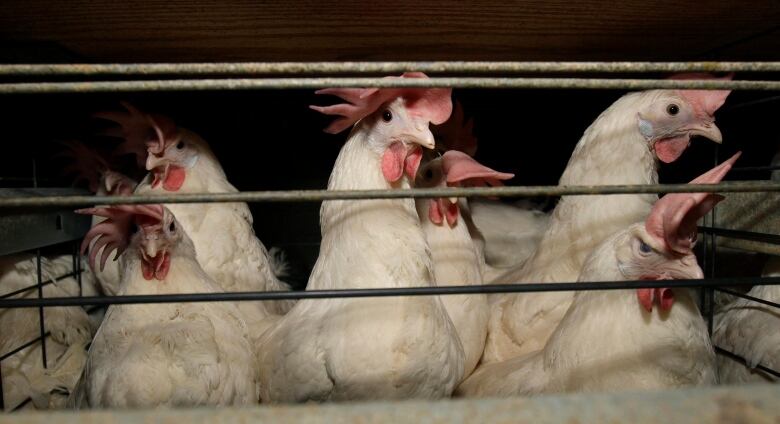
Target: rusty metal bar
(380,292)
(752,403)
(314,83)
(309,68)
(73,201)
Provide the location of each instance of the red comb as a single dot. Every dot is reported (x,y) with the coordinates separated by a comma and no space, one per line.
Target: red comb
(703,101)
(462,168)
(88,165)
(433,104)
(114,232)
(165,131)
(673,217)
(140,131)
(456,134)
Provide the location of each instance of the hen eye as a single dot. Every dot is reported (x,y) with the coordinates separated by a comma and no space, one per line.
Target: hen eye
(172,227)
(180,145)
(387,116)
(644,247)
(429,174)
(672,109)
(134,229)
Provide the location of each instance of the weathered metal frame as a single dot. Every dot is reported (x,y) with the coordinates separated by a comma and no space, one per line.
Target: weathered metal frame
(227,73)
(757,403)
(309,68)
(338,82)
(73,201)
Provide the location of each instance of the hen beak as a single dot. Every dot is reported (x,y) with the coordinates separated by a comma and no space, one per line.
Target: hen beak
(110,181)
(154,161)
(707,128)
(685,268)
(421,135)
(152,246)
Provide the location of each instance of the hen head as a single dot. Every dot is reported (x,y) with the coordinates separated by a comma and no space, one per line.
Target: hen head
(171,154)
(674,116)
(151,230)
(164,149)
(155,238)
(661,248)
(395,122)
(453,169)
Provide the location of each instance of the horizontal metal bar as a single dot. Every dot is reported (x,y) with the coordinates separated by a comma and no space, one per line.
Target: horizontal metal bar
(719,350)
(308,68)
(314,83)
(44,284)
(741,235)
(748,297)
(382,292)
(24,346)
(694,405)
(320,195)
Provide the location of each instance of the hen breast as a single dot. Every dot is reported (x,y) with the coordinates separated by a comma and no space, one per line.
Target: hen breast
(189,354)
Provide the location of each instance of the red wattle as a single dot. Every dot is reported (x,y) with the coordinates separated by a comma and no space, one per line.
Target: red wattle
(156,267)
(670,149)
(665,298)
(147,269)
(412,162)
(393,162)
(434,213)
(645,297)
(175,178)
(451,211)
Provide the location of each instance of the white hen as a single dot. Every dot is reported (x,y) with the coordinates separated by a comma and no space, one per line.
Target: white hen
(371,348)
(512,232)
(506,235)
(180,161)
(622,146)
(616,339)
(749,329)
(172,354)
(456,259)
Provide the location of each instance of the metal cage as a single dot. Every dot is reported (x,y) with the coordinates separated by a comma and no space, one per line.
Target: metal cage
(245,76)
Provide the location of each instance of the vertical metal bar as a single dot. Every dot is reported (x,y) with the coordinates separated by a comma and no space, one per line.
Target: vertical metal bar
(42,324)
(704,262)
(40,309)
(709,296)
(77,265)
(2,396)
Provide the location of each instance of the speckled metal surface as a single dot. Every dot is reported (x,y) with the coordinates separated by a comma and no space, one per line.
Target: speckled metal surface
(747,404)
(32,200)
(336,82)
(261,68)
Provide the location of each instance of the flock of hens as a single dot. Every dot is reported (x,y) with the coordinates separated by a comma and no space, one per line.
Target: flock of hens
(426,347)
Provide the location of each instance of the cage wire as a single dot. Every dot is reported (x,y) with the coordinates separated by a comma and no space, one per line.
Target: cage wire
(708,285)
